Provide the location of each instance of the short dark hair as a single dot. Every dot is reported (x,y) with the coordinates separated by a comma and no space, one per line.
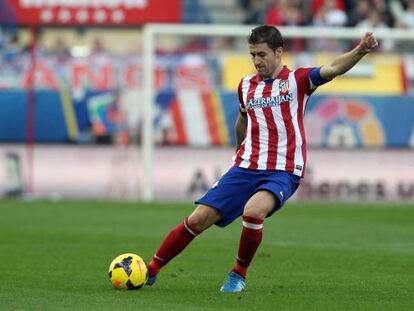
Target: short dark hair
(266,34)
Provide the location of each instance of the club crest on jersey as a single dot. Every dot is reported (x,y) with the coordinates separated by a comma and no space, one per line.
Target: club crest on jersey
(283,86)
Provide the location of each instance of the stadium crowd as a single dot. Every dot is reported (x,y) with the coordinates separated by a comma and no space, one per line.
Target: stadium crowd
(348,13)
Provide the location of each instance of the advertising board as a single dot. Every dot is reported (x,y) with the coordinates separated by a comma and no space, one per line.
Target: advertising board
(183,174)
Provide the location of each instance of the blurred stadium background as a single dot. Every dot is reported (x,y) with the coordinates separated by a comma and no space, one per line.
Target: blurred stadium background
(73,118)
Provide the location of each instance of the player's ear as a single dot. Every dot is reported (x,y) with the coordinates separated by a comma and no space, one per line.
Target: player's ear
(279,51)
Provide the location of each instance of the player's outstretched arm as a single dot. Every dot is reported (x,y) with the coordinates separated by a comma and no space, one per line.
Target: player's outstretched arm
(346,61)
(241,127)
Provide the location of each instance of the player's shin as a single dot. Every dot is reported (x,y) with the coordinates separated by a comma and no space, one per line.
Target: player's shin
(250,240)
(173,244)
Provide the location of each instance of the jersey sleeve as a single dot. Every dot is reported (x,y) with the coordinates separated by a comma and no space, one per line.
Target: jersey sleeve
(242,106)
(309,79)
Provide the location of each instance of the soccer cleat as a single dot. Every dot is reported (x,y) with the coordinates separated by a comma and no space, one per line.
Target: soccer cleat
(151,280)
(234,283)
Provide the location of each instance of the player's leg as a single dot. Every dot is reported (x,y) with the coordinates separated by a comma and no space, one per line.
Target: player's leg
(178,238)
(255,211)
(273,190)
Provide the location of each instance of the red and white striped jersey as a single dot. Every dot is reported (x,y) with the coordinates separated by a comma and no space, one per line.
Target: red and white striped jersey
(275,138)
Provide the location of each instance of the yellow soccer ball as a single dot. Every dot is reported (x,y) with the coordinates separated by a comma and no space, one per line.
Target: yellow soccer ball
(128,271)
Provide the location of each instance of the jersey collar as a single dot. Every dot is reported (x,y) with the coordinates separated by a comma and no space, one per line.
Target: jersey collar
(282,75)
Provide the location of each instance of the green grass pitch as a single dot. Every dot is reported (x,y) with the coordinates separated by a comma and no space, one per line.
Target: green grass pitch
(55,255)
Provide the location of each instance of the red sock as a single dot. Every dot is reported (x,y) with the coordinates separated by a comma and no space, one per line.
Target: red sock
(173,244)
(249,242)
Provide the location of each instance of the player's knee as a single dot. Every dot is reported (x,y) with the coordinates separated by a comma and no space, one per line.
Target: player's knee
(196,222)
(258,213)
(260,204)
(203,217)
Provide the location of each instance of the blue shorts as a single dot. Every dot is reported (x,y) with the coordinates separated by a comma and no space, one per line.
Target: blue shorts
(231,193)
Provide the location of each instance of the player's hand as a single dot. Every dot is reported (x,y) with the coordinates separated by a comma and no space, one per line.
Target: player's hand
(368,43)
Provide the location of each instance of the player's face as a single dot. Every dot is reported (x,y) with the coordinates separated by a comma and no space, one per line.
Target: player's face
(266,60)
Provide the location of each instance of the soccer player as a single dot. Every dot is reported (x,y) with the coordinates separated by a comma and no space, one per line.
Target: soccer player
(271,151)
